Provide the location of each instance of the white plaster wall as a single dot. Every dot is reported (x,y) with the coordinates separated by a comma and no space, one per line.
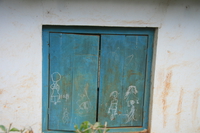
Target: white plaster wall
(176,85)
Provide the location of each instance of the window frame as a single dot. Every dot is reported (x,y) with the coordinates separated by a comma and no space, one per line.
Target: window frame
(46,30)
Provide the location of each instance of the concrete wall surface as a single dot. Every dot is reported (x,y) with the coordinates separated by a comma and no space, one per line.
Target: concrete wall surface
(176,76)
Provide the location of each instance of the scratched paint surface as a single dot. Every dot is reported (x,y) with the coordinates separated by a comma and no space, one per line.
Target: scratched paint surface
(73,84)
(122,75)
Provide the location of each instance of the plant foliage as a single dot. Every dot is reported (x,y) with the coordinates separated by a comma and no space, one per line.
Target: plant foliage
(87,127)
(5,130)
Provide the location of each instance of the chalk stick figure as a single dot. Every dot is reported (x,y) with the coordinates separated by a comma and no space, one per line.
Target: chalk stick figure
(55,95)
(113,105)
(131,114)
(131,95)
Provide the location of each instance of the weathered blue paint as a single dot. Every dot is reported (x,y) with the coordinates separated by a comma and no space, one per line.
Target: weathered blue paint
(148,79)
(111,77)
(73,84)
(45,81)
(122,74)
(84,61)
(99,30)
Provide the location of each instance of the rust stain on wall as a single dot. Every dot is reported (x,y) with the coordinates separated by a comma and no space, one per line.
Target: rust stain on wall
(185,63)
(1,91)
(28,81)
(7,105)
(167,86)
(195,104)
(179,109)
(160,78)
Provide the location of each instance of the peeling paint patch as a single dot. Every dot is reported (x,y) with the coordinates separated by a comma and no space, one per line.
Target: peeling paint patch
(167,86)
(195,104)
(179,109)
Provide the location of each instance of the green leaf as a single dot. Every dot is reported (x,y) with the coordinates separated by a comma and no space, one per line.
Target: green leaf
(3,128)
(101,126)
(100,131)
(85,125)
(14,129)
(82,126)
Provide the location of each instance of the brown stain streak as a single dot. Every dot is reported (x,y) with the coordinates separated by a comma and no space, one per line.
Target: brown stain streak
(1,91)
(130,73)
(28,82)
(179,109)
(195,105)
(167,86)
(178,65)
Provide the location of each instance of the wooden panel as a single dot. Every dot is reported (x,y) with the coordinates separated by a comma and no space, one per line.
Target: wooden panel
(73,84)
(134,80)
(111,73)
(122,79)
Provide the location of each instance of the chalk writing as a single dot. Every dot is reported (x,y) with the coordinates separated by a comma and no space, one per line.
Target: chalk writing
(129,59)
(55,94)
(66,96)
(65,117)
(113,105)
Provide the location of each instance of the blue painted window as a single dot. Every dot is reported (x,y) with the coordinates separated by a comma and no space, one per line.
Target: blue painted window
(96,74)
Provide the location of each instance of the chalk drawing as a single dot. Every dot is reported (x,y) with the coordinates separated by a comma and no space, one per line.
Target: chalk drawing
(131,94)
(131,99)
(131,114)
(84,103)
(129,59)
(66,96)
(55,94)
(113,105)
(65,117)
